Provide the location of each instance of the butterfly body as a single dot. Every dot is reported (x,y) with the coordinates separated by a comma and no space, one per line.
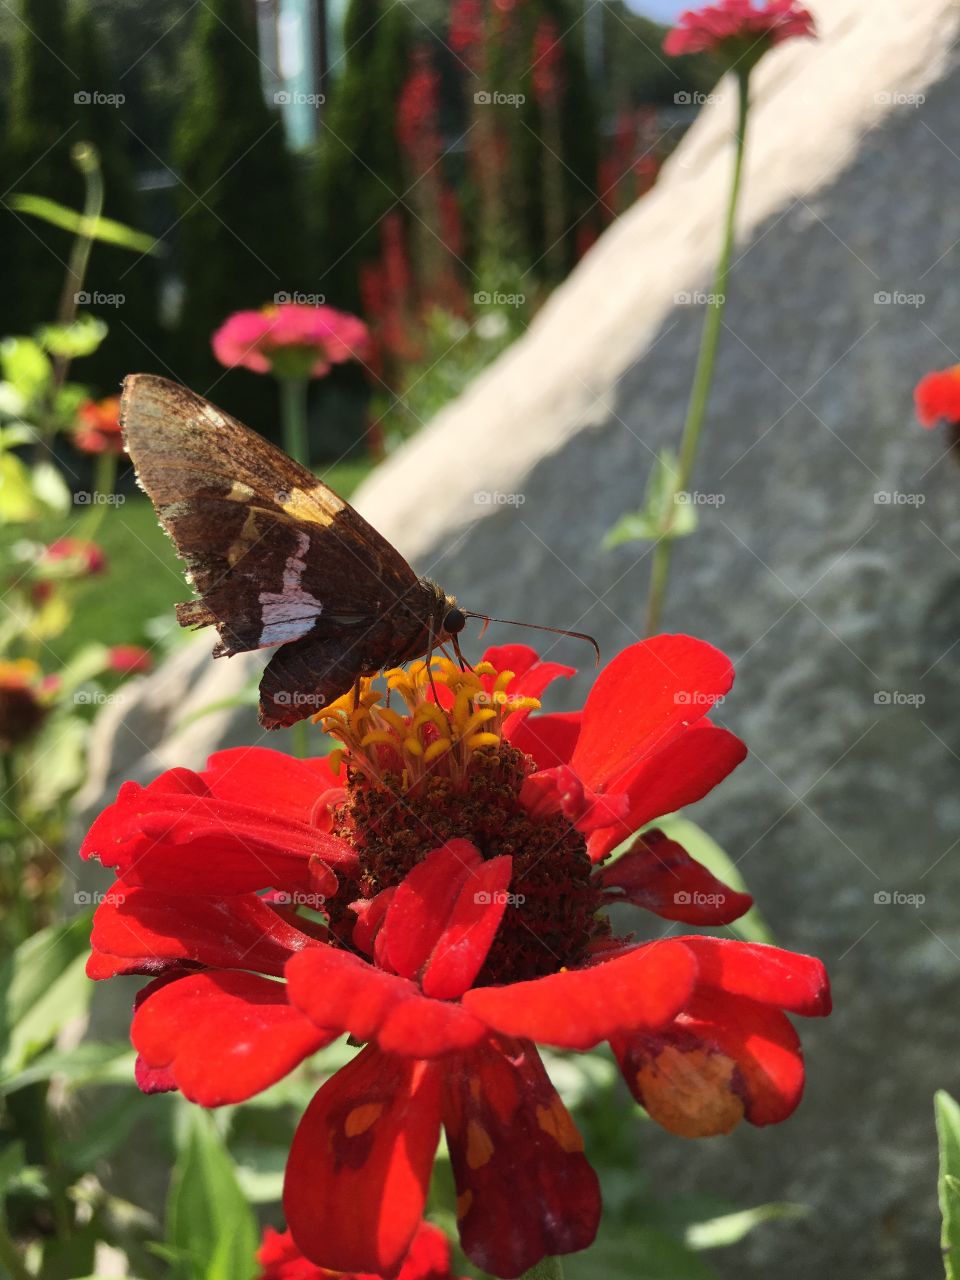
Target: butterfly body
(276,558)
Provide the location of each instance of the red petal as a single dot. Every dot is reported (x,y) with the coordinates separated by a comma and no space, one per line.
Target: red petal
(223,1036)
(769,975)
(360,1163)
(531,676)
(139,931)
(178,838)
(725,1058)
(370,913)
(275,782)
(153,1079)
(341,991)
(429,1256)
(524,1188)
(645,987)
(658,874)
(421,903)
(685,770)
(443,918)
(549,739)
(645,696)
(559,790)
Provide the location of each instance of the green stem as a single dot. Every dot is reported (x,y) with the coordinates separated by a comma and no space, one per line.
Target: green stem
(104,483)
(548,1269)
(87,160)
(293,403)
(703,377)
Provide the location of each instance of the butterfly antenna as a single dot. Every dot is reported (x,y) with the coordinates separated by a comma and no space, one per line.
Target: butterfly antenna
(535,626)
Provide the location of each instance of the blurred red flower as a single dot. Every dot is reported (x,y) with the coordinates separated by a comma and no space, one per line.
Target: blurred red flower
(937,397)
(463,863)
(76,557)
(428,1259)
(547,70)
(290,340)
(129,659)
(738,28)
(98,426)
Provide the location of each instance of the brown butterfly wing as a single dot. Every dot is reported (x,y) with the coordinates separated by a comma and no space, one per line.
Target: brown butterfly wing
(273,554)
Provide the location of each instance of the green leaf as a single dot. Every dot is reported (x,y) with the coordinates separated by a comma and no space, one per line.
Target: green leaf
(948,1137)
(17,500)
(20,433)
(50,487)
(664,514)
(731,1228)
(752,927)
(26,366)
(80,338)
(92,1062)
(107,1131)
(105,229)
(12,1161)
(209,1222)
(643,1252)
(260,1171)
(43,986)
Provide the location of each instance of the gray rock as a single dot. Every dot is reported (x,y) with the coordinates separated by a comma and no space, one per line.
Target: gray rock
(840,610)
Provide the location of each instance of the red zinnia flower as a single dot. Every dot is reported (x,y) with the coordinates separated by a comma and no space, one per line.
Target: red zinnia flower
(290,340)
(129,659)
(428,1259)
(937,397)
(74,557)
(463,862)
(738,28)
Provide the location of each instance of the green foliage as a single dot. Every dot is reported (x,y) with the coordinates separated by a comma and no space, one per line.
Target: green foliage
(948,1135)
(42,986)
(211,1229)
(662,515)
(358,174)
(104,229)
(58,55)
(241,237)
(455,351)
(636,70)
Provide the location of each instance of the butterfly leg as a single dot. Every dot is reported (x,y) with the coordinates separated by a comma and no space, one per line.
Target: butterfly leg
(356,693)
(431,645)
(464,664)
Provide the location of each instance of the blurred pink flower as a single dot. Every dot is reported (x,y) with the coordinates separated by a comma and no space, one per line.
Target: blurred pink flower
(290,340)
(129,659)
(86,558)
(738,28)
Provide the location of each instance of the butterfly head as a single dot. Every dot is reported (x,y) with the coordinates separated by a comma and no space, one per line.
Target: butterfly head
(454,619)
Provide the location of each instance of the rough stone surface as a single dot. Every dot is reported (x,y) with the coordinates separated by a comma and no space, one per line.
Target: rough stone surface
(840,610)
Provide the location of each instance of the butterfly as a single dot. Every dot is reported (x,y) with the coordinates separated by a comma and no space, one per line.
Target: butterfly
(276,558)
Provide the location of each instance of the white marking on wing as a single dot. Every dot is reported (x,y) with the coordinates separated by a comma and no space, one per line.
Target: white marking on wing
(289,614)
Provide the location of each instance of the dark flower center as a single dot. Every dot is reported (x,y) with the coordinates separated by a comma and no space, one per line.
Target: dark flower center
(551,918)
